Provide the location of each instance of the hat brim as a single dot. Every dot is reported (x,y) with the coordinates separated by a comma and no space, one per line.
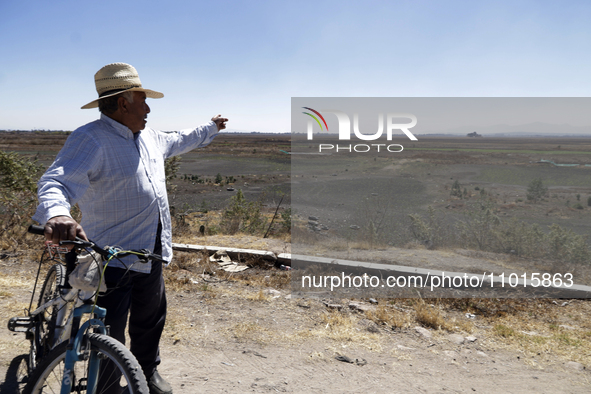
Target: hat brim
(149,93)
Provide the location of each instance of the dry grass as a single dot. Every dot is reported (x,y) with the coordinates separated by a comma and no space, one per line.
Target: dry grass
(547,334)
(540,328)
(7,282)
(186,229)
(343,328)
(405,313)
(10,308)
(401,355)
(269,279)
(249,331)
(430,316)
(535,328)
(387,315)
(260,296)
(544,328)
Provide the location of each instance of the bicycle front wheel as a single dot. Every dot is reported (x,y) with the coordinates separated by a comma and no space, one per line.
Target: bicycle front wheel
(119,371)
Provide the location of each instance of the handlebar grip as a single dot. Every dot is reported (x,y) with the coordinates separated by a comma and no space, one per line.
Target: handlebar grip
(40,230)
(35,229)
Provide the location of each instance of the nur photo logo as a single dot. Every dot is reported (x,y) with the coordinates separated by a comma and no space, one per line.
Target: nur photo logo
(392,121)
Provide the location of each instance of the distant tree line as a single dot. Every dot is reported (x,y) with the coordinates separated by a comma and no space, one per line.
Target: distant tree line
(37,131)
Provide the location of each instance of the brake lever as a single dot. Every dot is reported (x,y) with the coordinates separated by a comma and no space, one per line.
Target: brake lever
(149,255)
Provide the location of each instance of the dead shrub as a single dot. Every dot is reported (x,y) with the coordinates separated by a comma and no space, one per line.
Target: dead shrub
(429,316)
(385,315)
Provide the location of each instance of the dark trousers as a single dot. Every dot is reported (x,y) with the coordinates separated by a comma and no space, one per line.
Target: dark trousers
(142,297)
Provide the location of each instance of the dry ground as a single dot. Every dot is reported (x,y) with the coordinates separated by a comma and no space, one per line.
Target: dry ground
(231,334)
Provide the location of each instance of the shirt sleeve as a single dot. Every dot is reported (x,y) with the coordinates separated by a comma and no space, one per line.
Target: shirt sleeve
(179,142)
(68,178)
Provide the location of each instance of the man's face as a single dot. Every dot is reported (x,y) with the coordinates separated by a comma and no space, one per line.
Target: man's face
(137,114)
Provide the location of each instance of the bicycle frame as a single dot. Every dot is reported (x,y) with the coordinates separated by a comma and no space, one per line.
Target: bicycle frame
(65,303)
(76,352)
(66,328)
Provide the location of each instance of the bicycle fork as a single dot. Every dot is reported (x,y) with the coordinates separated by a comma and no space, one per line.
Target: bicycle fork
(75,351)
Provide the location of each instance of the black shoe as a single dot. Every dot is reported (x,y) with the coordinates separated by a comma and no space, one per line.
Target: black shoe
(158,385)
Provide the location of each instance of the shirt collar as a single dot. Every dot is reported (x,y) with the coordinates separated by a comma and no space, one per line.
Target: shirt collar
(119,128)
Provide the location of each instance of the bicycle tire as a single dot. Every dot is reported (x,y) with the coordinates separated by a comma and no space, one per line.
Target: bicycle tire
(48,376)
(43,337)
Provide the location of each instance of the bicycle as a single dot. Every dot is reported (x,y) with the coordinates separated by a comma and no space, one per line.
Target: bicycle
(66,356)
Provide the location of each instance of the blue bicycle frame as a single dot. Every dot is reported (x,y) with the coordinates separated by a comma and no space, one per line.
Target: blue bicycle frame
(74,353)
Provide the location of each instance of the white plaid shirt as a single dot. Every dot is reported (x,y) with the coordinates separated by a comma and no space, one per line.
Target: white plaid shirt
(117,178)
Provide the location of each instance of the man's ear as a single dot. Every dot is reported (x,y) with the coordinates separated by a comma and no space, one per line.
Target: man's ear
(122,104)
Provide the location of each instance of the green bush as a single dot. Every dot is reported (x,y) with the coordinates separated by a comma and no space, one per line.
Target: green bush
(567,246)
(230,179)
(286,220)
(218,179)
(242,216)
(171,167)
(476,230)
(456,189)
(536,190)
(428,232)
(18,196)
(482,229)
(518,238)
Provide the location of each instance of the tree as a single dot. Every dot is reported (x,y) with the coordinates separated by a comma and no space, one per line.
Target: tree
(218,179)
(536,190)
(171,168)
(242,215)
(456,189)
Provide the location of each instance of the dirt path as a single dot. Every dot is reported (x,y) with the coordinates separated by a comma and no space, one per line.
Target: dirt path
(234,337)
(272,360)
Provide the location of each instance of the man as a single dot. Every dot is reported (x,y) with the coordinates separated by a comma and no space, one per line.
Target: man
(113,168)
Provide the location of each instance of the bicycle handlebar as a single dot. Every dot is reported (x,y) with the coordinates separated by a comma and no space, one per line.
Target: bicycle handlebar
(34,229)
(144,253)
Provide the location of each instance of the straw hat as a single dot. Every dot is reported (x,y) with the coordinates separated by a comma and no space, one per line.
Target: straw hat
(117,78)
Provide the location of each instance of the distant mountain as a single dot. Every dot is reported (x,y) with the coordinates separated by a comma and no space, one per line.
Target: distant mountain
(535,128)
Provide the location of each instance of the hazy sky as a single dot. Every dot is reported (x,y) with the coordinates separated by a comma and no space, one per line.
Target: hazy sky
(455,115)
(246,60)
